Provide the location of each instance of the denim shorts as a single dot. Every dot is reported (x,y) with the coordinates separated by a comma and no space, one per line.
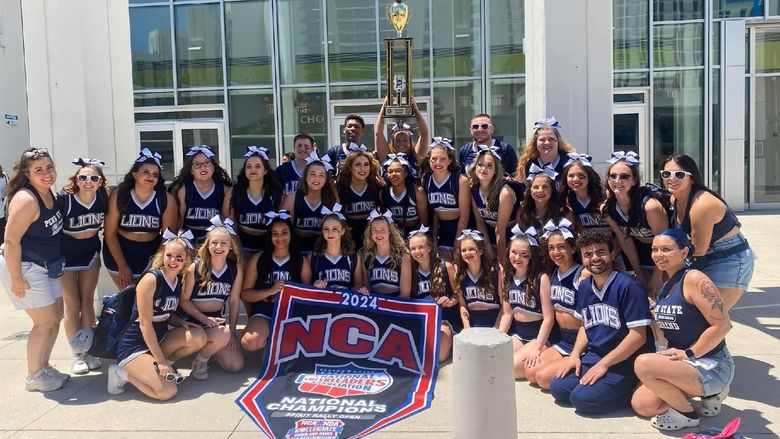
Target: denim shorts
(43,290)
(716,379)
(733,271)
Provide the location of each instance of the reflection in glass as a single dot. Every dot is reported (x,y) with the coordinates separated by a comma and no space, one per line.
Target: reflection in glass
(715,54)
(630,79)
(767,50)
(200,136)
(304,110)
(678,45)
(774,7)
(716,124)
(454,104)
(507,110)
(301,51)
(678,122)
(737,8)
(352,40)
(340,92)
(417,28)
(152,99)
(198,45)
(767,140)
(251,123)
(456,38)
(160,142)
(248,42)
(507,30)
(201,97)
(150,44)
(630,34)
(675,10)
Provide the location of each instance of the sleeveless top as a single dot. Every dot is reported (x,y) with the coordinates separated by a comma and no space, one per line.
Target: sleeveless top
(218,290)
(166,297)
(338,272)
(41,240)
(491,216)
(200,207)
(144,217)
(563,289)
(357,207)
(475,295)
(531,307)
(288,176)
(308,221)
(442,196)
(681,322)
(251,216)
(382,277)
(587,214)
(423,288)
(719,230)
(403,208)
(558,164)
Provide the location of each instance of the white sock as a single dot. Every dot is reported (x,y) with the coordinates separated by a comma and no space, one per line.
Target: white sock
(121,373)
(201,358)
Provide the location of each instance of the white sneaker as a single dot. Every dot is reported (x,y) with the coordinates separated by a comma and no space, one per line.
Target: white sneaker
(79,365)
(673,420)
(115,382)
(711,405)
(51,370)
(200,369)
(42,382)
(82,341)
(93,363)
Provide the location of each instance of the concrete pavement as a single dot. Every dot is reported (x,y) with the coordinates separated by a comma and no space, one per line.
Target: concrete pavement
(83,409)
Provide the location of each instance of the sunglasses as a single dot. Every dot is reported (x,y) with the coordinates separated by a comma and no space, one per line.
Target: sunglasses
(484,126)
(679,175)
(36,153)
(92,178)
(621,177)
(171,377)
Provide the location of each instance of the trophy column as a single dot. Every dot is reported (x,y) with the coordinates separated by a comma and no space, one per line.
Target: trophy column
(399,78)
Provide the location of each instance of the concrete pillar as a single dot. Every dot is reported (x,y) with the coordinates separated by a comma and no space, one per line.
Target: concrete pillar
(14,134)
(732,167)
(484,375)
(568,48)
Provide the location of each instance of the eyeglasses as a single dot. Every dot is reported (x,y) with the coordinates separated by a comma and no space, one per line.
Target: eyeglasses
(621,177)
(198,165)
(171,377)
(35,154)
(678,175)
(484,126)
(92,178)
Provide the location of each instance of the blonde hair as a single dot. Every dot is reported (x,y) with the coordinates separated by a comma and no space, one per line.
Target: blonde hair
(159,258)
(397,244)
(204,267)
(531,153)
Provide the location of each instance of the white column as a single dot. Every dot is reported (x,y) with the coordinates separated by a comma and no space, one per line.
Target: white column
(732,166)
(14,134)
(568,48)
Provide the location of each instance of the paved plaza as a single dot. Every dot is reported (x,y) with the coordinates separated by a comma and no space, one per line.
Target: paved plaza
(83,409)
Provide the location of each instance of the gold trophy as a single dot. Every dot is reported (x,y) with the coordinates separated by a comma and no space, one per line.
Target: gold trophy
(399,65)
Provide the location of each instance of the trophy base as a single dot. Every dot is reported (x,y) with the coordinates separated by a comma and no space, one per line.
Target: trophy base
(399,111)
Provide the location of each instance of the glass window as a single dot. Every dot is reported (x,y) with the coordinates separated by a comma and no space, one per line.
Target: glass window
(766,179)
(302,50)
(715,43)
(716,124)
(153,99)
(456,38)
(248,42)
(455,104)
(198,45)
(418,28)
(150,44)
(678,119)
(367,91)
(507,30)
(774,7)
(352,40)
(630,34)
(767,50)
(160,142)
(631,79)
(678,45)
(507,109)
(305,110)
(201,97)
(673,10)
(251,123)
(737,8)
(147,1)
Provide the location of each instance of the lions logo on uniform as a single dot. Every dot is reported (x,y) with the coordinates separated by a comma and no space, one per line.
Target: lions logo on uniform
(344,380)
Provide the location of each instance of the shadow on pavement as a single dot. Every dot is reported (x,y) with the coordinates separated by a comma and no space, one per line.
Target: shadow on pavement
(755,306)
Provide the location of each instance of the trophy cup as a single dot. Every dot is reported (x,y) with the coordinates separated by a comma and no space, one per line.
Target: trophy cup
(399,65)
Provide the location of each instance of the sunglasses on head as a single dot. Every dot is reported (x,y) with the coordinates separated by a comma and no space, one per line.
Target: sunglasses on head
(92,178)
(35,154)
(679,175)
(621,177)
(170,376)
(484,126)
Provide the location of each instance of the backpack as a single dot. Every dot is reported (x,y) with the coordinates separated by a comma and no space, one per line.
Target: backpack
(114,319)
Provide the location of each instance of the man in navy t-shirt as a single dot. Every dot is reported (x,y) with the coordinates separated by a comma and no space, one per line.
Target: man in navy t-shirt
(482,134)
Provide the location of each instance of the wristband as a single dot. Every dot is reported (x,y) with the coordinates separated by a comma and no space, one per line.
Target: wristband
(689,354)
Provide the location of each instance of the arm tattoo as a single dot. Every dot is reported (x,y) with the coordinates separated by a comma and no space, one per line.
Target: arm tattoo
(710,292)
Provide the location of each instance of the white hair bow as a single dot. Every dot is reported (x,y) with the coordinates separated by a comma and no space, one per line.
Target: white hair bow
(146,155)
(399,157)
(375,214)
(354,147)
(84,161)
(421,231)
(325,160)
(254,150)
(335,211)
(469,233)
(529,233)
(491,149)
(200,149)
(563,225)
(631,158)
(536,170)
(442,141)
(583,158)
(551,122)
(184,235)
(282,214)
(217,222)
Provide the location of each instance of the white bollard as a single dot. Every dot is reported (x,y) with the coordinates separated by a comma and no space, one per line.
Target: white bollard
(483,385)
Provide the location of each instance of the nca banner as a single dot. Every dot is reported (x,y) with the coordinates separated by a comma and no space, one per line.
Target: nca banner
(343,365)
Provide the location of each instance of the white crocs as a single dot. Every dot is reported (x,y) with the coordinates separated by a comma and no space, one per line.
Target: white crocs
(673,420)
(711,405)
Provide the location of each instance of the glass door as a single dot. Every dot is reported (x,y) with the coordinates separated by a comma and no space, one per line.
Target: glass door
(173,140)
(630,132)
(764,104)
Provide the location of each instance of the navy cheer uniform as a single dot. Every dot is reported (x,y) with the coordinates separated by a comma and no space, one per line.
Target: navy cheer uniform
(138,218)
(558,164)
(200,207)
(563,291)
(443,197)
(587,215)
(491,216)
(308,222)
(528,306)
(357,207)
(41,241)
(450,315)
(288,176)
(638,230)
(607,315)
(475,295)
(78,217)
(215,291)
(382,277)
(165,302)
(403,208)
(252,225)
(280,270)
(338,272)
(469,151)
